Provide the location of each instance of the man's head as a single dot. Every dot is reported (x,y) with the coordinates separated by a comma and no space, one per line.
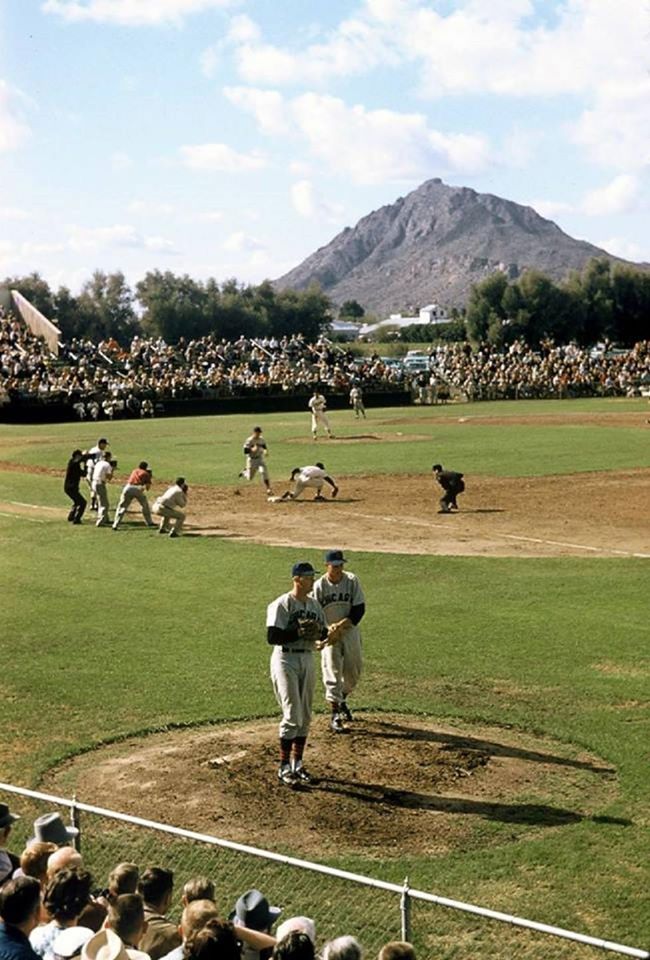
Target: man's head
(437,467)
(20,903)
(303,578)
(297,924)
(126,918)
(102,443)
(294,946)
(123,879)
(34,860)
(217,940)
(397,950)
(76,455)
(143,465)
(195,916)
(156,886)
(321,466)
(198,888)
(7,820)
(50,828)
(252,910)
(257,431)
(334,561)
(64,858)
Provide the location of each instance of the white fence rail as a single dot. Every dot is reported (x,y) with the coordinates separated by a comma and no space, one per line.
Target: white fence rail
(403,896)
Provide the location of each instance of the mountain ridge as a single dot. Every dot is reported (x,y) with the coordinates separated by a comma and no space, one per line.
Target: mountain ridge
(432,245)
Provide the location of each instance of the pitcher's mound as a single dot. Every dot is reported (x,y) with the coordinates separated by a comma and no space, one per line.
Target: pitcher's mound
(391,783)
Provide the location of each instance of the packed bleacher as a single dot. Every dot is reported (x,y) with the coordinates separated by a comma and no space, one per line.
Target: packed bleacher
(107,380)
(52,909)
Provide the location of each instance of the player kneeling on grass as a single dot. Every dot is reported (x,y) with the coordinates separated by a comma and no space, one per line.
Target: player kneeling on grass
(311,476)
(295,626)
(452,483)
(256,451)
(170,505)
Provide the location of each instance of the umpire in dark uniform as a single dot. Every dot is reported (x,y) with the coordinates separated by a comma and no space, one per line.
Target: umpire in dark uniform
(75,472)
(452,483)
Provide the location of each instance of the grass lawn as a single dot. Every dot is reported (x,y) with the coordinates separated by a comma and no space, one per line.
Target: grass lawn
(106,635)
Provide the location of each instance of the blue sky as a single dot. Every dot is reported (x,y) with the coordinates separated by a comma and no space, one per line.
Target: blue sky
(233,137)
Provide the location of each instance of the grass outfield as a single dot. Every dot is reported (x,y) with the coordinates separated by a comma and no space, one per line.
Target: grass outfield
(106,635)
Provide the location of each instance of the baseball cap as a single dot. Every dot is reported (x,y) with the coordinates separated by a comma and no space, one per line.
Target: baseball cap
(257,429)
(303,569)
(335,557)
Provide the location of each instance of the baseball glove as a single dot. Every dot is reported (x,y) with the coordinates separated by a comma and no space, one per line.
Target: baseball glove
(309,630)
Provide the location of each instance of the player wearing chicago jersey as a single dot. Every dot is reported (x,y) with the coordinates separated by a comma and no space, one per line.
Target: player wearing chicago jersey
(340,595)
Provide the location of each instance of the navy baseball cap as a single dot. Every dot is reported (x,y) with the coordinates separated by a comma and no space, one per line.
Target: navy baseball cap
(303,569)
(336,557)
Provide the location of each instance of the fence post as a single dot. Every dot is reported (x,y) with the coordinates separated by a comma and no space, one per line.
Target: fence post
(75,821)
(405,910)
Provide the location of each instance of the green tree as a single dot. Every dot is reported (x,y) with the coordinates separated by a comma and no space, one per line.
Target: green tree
(351,310)
(173,307)
(105,307)
(485,308)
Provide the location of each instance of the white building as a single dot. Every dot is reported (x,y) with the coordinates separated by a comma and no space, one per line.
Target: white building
(433,313)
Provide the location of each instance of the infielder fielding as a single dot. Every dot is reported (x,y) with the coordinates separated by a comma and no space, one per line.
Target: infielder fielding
(135,489)
(295,626)
(318,406)
(341,597)
(312,476)
(169,506)
(452,483)
(256,451)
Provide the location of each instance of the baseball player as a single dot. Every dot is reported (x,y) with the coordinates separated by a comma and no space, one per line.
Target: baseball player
(341,597)
(102,476)
(318,405)
(452,483)
(75,470)
(169,505)
(135,489)
(256,451)
(313,476)
(356,402)
(92,456)
(295,626)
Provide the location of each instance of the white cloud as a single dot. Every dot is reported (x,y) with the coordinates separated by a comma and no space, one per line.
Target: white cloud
(13,130)
(209,60)
(616,130)
(130,13)
(310,204)
(241,242)
(616,197)
(209,216)
(220,157)
(149,208)
(120,161)
(119,235)
(626,249)
(267,106)
(15,213)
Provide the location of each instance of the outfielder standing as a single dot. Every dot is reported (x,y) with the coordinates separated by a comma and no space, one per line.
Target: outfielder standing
(295,626)
(256,451)
(356,402)
(318,406)
(135,489)
(340,595)
(452,483)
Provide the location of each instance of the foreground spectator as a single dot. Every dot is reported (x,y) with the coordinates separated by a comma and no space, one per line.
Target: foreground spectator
(343,948)
(122,879)
(194,917)
(297,925)
(156,886)
(20,909)
(66,895)
(126,919)
(295,946)
(34,860)
(397,950)
(8,861)
(252,912)
(50,828)
(197,888)
(216,941)
(71,942)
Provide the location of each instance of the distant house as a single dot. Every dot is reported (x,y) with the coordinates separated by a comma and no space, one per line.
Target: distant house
(433,313)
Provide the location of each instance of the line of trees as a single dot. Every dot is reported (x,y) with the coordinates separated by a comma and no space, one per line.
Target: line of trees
(604,301)
(171,306)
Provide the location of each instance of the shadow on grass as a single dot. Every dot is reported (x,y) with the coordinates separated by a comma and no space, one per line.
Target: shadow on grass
(534,814)
(451,741)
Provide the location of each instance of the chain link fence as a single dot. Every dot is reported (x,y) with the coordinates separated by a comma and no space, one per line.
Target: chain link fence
(340,903)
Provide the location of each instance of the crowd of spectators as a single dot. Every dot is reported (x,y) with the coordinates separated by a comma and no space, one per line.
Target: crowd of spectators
(107,380)
(51,910)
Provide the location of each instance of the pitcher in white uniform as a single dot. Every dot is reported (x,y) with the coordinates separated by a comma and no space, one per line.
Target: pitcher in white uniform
(318,406)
